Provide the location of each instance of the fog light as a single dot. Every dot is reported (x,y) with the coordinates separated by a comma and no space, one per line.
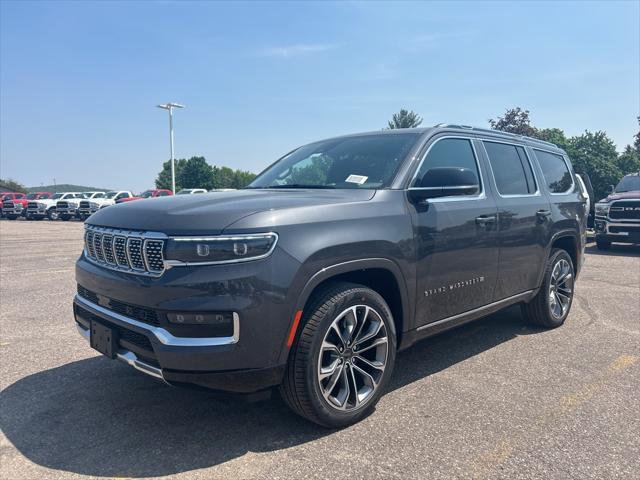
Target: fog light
(216,318)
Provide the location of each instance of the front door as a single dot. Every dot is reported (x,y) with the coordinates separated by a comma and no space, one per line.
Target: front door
(456,238)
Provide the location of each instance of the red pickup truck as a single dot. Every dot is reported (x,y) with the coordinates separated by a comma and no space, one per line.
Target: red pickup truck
(147,194)
(14,205)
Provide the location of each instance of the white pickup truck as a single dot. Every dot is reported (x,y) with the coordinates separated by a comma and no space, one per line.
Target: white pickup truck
(47,207)
(90,206)
(68,208)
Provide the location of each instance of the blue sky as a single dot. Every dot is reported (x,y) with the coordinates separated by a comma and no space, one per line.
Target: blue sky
(79,81)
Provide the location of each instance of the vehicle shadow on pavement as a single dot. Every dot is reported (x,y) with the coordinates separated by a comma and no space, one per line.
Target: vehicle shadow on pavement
(101,418)
(616,250)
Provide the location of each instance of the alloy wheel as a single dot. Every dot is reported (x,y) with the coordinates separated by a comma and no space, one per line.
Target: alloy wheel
(560,288)
(353,358)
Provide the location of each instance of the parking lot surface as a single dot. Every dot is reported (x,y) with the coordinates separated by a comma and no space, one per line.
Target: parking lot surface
(493,399)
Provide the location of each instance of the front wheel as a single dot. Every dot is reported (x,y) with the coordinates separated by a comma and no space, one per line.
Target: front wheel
(343,358)
(550,307)
(52,214)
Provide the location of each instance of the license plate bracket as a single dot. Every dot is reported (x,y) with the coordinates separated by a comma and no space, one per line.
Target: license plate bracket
(104,339)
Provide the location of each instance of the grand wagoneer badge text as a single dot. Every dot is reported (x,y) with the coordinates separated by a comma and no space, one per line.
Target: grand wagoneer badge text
(453,286)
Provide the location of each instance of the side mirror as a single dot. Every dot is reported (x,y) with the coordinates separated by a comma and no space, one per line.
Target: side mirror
(611,188)
(445,182)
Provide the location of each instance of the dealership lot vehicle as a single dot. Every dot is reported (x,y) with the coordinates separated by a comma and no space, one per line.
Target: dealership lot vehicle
(391,238)
(618,215)
(88,207)
(191,191)
(17,207)
(494,398)
(146,194)
(46,207)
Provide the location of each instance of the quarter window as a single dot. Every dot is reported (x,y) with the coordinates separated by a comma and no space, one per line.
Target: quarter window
(449,152)
(555,170)
(511,169)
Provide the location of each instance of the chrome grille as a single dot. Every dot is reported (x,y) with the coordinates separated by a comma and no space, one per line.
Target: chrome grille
(62,205)
(84,204)
(141,253)
(32,205)
(107,248)
(625,210)
(8,205)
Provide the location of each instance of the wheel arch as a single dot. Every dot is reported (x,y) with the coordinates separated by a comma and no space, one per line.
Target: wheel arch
(380,274)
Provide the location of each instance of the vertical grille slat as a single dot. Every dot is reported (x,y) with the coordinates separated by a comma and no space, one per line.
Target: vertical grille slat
(141,253)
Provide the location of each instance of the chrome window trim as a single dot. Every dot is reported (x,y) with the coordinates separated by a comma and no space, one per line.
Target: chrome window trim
(537,193)
(453,198)
(164,336)
(250,236)
(566,164)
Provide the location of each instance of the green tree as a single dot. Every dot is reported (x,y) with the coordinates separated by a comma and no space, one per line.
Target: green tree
(404,119)
(515,120)
(242,178)
(553,135)
(196,173)
(223,177)
(636,141)
(594,153)
(164,177)
(12,185)
(629,161)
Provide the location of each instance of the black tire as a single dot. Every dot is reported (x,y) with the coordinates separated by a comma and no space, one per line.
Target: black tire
(66,218)
(300,388)
(12,217)
(52,214)
(603,244)
(539,310)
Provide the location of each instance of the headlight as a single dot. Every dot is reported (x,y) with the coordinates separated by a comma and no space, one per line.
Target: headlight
(223,249)
(94,204)
(602,209)
(42,205)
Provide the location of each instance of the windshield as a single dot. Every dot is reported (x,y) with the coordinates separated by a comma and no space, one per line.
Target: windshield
(7,197)
(368,161)
(184,192)
(110,194)
(627,184)
(57,195)
(31,196)
(147,194)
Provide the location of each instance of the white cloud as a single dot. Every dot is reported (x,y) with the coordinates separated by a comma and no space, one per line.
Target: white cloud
(297,50)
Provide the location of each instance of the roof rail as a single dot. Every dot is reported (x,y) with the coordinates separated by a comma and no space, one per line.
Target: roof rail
(495,132)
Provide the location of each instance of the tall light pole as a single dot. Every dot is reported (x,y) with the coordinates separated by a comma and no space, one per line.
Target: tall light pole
(170,107)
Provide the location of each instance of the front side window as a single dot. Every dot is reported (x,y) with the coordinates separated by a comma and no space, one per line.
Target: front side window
(555,171)
(368,161)
(449,152)
(122,195)
(163,194)
(511,169)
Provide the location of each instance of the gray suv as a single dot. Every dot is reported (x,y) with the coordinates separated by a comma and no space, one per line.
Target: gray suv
(337,256)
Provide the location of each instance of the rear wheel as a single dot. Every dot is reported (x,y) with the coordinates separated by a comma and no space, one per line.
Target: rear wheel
(603,244)
(343,358)
(551,305)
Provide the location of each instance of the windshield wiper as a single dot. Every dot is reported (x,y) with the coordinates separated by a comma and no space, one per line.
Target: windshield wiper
(299,185)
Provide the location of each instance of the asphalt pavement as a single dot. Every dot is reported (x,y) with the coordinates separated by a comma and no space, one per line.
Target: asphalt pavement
(492,399)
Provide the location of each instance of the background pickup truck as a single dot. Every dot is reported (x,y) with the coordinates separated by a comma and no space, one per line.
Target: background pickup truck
(17,207)
(88,207)
(147,194)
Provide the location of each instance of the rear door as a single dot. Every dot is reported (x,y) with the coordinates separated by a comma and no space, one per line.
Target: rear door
(524,217)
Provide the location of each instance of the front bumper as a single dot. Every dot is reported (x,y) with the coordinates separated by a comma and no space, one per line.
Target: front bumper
(249,360)
(37,212)
(66,211)
(620,232)
(15,210)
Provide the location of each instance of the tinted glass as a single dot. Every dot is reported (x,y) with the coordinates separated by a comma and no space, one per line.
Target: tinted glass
(450,152)
(528,170)
(628,184)
(509,170)
(556,173)
(367,161)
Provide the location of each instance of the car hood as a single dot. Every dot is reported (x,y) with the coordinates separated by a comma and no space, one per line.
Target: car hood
(210,213)
(631,195)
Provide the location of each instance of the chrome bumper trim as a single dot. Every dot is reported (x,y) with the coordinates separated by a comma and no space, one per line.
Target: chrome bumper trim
(163,336)
(129,358)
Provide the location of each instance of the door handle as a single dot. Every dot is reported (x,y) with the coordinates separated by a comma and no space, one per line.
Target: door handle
(543,214)
(485,220)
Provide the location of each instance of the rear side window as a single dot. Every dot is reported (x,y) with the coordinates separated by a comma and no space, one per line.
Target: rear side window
(449,152)
(555,170)
(511,169)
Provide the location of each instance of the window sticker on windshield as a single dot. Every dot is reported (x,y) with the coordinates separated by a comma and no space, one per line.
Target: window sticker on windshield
(359,179)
